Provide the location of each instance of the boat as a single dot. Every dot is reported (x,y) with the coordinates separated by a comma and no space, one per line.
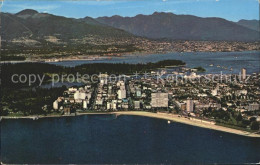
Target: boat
(211,65)
(169,122)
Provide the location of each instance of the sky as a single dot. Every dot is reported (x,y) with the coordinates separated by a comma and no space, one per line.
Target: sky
(232,10)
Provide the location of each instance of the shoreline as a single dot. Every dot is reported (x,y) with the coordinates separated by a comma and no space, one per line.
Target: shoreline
(158,115)
(197,123)
(107,57)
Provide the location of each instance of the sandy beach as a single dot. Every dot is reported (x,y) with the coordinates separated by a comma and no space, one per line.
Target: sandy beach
(175,118)
(170,117)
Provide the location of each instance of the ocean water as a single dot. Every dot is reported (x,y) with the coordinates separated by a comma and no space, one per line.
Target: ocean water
(225,60)
(99,139)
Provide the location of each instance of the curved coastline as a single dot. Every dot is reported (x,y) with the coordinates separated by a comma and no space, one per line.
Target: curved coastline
(175,118)
(165,116)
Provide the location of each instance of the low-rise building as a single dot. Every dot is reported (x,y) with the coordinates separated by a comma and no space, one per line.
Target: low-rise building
(137,104)
(56,105)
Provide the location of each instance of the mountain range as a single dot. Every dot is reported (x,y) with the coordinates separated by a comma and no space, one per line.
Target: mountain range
(38,26)
(31,24)
(251,24)
(184,27)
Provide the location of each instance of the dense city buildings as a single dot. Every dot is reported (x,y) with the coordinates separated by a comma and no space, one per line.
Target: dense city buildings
(185,93)
(104,48)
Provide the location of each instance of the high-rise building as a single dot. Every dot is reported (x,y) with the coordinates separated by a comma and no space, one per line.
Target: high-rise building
(159,100)
(243,73)
(189,105)
(85,104)
(108,105)
(121,93)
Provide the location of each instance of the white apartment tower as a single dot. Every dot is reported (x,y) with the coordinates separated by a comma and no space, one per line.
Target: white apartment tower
(121,93)
(243,73)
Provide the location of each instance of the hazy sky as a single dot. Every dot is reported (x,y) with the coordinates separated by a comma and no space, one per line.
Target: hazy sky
(229,9)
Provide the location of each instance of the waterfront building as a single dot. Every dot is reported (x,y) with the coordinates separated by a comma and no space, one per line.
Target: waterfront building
(85,104)
(125,106)
(147,106)
(56,105)
(108,105)
(79,95)
(113,105)
(243,74)
(99,101)
(181,105)
(66,110)
(137,104)
(159,100)
(189,105)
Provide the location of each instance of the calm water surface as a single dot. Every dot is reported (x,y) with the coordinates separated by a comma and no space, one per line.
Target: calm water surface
(125,139)
(235,60)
